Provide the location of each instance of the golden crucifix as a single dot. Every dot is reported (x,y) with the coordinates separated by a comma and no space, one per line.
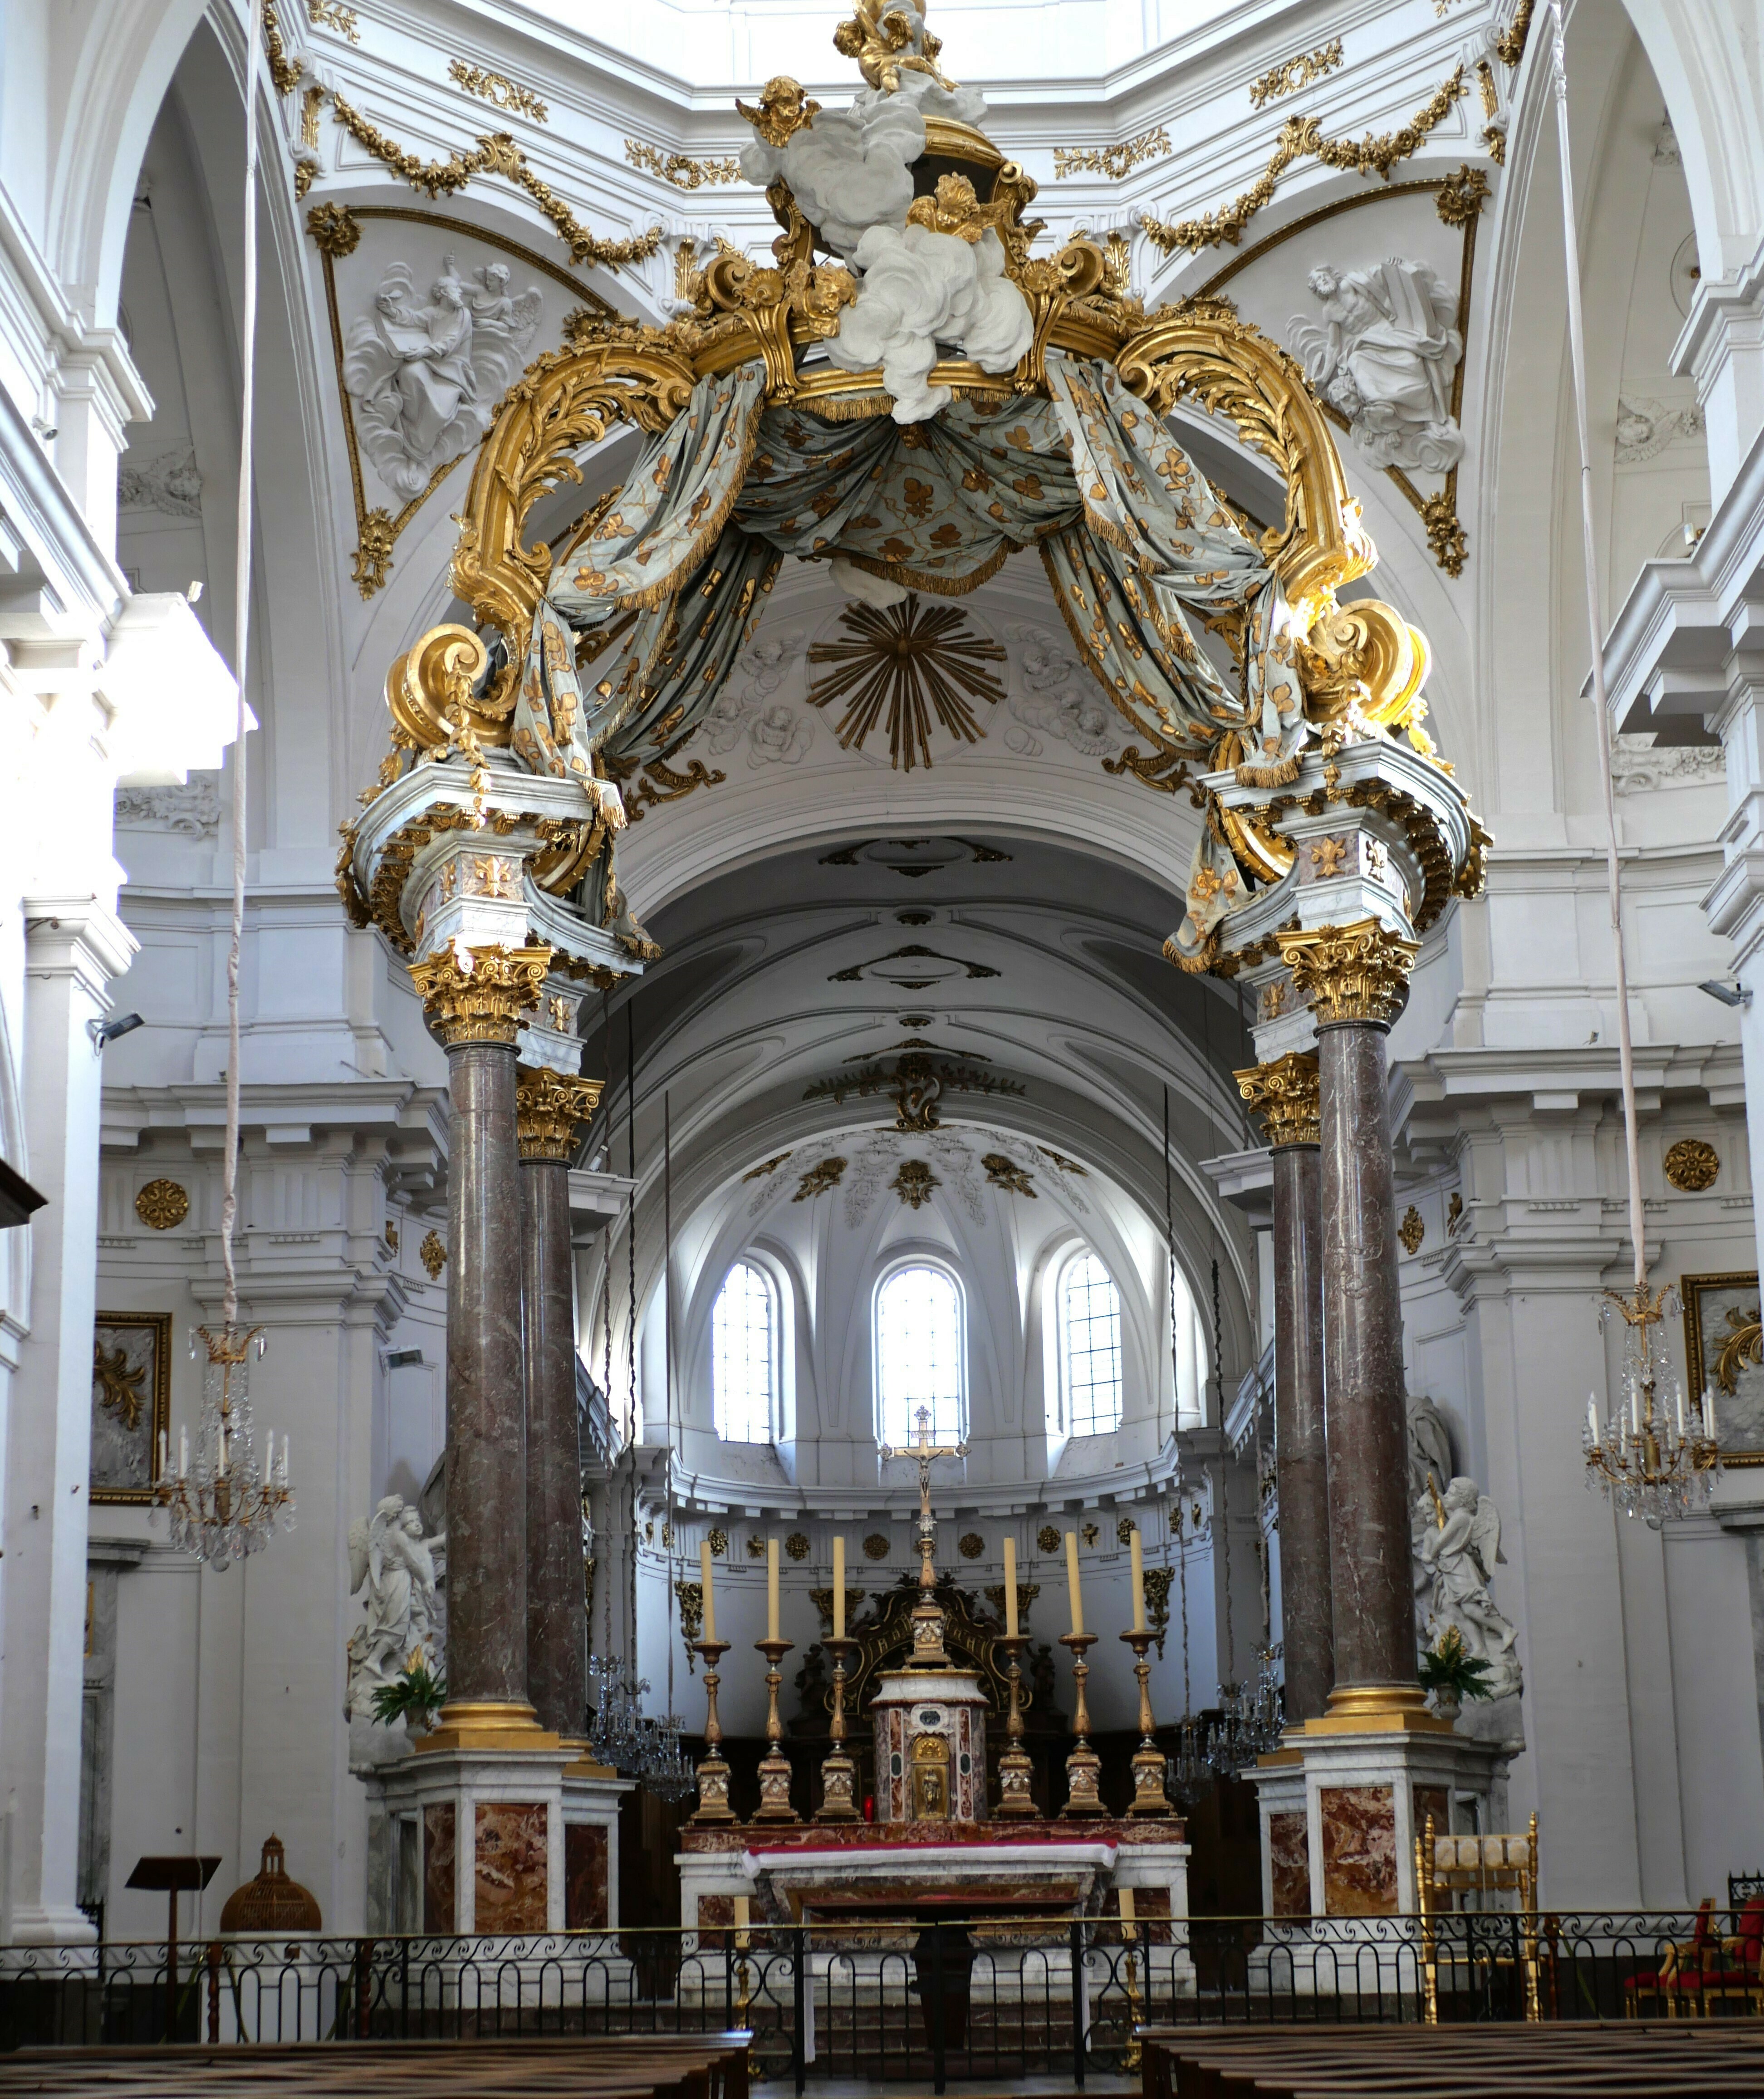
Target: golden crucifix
(928,1628)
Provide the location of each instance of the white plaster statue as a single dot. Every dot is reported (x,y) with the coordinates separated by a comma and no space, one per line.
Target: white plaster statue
(1385,357)
(391,1557)
(425,379)
(1458,1545)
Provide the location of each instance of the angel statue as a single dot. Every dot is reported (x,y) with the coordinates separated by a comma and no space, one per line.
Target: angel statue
(1385,357)
(390,1558)
(425,379)
(1458,1550)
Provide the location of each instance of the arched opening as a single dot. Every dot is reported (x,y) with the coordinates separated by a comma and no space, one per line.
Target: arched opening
(920,1356)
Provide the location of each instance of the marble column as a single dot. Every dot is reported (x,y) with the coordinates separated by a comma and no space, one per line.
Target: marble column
(1355,976)
(476,1014)
(1285,1094)
(550,1109)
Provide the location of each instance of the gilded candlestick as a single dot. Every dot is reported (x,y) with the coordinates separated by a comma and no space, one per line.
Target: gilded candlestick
(1015,1771)
(838,1773)
(1149,1798)
(714,1772)
(1084,1766)
(774,1765)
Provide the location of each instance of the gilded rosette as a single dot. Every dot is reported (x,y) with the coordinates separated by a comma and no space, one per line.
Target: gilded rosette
(1350,973)
(550,1109)
(1287,1096)
(485,1003)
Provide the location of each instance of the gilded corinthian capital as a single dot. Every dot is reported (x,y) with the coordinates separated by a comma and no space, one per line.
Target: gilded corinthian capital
(484,1002)
(1350,973)
(549,1108)
(1285,1095)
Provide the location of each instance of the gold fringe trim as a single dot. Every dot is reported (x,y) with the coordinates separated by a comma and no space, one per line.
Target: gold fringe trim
(917,579)
(860,408)
(1197,963)
(1280,774)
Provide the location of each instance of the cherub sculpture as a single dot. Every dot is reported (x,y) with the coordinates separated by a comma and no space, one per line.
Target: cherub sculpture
(1459,1549)
(391,1558)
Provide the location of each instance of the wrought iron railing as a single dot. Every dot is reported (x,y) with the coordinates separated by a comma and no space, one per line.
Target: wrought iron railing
(986,1999)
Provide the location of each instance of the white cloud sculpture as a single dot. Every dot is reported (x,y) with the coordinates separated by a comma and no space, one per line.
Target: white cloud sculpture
(920,288)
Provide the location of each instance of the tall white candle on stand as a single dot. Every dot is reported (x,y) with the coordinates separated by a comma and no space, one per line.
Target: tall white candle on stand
(1071,1582)
(772,1588)
(1137,1553)
(1010,1587)
(838,1588)
(710,1598)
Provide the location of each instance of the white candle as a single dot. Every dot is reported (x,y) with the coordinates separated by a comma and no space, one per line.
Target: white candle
(772,1588)
(223,1449)
(1138,1555)
(162,1452)
(284,1460)
(1010,1586)
(1635,1412)
(1592,1418)
(710,1598)
(838,1588)
(1709,1412)
(1681,1413)
(184,1454)
(1071,1582)
(269,1444)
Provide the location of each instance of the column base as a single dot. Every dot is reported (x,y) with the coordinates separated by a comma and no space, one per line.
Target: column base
(487,1849)
(499,1724)
(1340,1811)
(1361,1708)
(592,1794)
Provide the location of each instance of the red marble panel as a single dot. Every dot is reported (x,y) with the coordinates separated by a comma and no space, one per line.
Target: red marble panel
(438,1850)
(1289,1862)
(512,1864)
(1359,1851)
(586,1853)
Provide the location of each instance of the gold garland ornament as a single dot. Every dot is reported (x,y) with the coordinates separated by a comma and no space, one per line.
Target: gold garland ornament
(495,154)
(1301,138)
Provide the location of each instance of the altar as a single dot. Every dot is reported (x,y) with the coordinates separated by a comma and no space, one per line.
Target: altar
(941,1849)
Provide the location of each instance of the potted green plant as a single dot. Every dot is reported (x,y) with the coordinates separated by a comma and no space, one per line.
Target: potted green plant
(1449,1673)
(415,1697)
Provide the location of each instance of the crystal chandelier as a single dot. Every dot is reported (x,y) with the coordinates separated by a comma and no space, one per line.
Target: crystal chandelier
(667,1770)
(617,1736)
(1652,1458)
(226,1506)
(1249,1722)
(1189,1774)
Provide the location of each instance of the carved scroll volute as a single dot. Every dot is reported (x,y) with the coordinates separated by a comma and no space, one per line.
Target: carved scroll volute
(436,675)
(1050,287)
(1205,350)
(1366,657)
(567,400)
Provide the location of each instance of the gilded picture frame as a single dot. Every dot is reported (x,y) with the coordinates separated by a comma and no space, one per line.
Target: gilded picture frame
(131,1404)
(1724,1347)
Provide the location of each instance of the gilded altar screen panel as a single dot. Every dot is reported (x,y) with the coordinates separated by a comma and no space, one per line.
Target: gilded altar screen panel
(1724,1351)
(131,1403)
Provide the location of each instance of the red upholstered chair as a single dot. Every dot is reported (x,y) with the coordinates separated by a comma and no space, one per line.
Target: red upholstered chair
(1681,1970)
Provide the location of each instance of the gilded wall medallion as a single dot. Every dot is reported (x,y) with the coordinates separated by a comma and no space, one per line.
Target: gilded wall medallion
(1047,1538)
(875,1546)
(162,1204)
(1692,1165)
(972,1545)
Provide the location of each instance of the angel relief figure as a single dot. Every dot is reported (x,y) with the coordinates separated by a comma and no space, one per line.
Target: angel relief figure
(391,1560)
(425,379)
(1385,357)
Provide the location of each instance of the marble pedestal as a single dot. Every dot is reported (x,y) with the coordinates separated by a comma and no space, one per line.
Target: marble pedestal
(490,1841)
(1341,1813)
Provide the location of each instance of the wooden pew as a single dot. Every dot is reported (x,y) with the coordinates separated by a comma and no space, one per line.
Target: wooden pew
(621,2066)
(1573,2060)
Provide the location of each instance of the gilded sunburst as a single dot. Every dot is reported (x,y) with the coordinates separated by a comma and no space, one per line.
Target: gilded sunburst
(913,658)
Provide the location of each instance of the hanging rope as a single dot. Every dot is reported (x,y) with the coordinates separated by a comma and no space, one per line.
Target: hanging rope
(1169,1249)
(1596,627)
(247,337)
(606,1357)
(667,1364)
(630,1320)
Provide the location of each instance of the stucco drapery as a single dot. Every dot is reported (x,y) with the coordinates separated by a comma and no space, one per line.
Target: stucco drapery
(642,617)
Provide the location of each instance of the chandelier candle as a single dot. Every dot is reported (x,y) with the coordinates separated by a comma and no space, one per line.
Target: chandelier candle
(1010,1588)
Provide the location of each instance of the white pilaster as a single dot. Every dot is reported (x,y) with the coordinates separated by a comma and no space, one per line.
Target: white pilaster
(75,945)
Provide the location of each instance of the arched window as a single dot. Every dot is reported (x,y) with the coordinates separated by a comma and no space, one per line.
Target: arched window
(1090,1346)
(744,1340)
(919,1355)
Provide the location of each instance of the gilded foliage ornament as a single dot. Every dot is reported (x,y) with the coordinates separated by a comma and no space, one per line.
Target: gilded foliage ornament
(1742,1344)
(1003,1173)
(550,1110)
(1047,1538)
(434,1255)
(1285,1095)
(1355,973)
(797,1545)
(1411,1231)
(913,1182)
(876,1546)
(497,88)
(819,1179)
(972,1546)
(718,1540)
(484,1002)
(162,1204)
